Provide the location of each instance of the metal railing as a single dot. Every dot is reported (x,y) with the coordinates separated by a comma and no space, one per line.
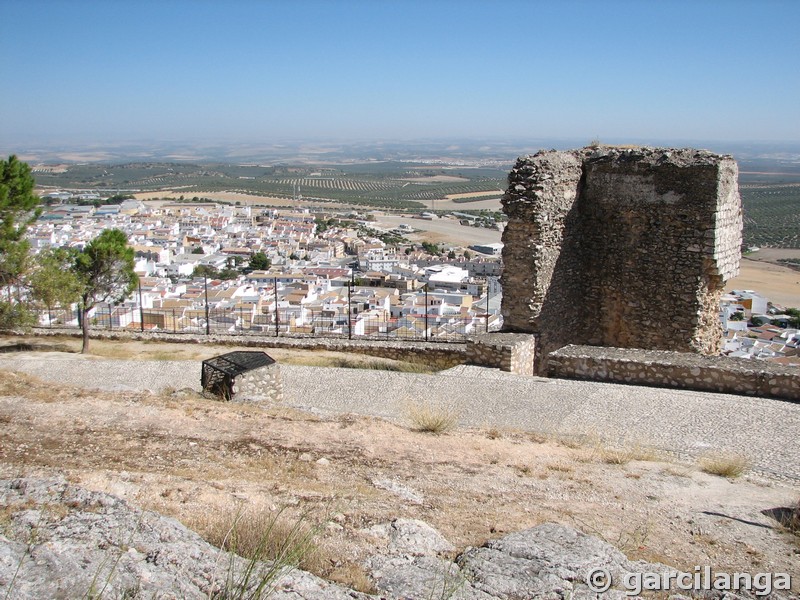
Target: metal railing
(292,322)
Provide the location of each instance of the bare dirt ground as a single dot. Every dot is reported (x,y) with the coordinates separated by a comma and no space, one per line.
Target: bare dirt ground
(201,461)
(474,195)
(778,283)
(443,230)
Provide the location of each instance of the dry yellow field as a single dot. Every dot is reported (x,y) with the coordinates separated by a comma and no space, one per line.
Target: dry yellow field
(473,194)
(779,284)
(248,199)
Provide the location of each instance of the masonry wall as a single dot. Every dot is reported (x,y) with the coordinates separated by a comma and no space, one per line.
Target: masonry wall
(617,247)
(439,355)
(512,352)
(676,370)
(259,385)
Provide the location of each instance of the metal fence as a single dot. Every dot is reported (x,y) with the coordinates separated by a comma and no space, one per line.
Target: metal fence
(291,322)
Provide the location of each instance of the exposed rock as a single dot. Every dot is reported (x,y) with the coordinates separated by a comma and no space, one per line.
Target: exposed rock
(546,561)
(403,491)
(421,577)
(549,561)
(411,536)
(62,541)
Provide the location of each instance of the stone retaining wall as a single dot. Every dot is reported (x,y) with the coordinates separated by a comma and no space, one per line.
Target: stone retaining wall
(512,352)
(440,355)
(676,370)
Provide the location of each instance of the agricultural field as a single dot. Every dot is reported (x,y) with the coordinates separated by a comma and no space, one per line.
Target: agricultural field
(771,215)
(770,191)
(381,184)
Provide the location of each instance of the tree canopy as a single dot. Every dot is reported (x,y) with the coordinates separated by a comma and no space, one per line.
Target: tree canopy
(53,282)
(105,271)
(259,262)
(18,204)
(19,207)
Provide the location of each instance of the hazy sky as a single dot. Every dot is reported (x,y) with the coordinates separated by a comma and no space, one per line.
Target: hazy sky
(246,70)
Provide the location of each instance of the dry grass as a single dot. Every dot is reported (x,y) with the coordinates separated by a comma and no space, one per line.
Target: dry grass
(723,464)
(264,535)
(426,418)
(257,534)
(622,455)
(22,385)
(382,365)
(792,522)
(560,467)
(493,433)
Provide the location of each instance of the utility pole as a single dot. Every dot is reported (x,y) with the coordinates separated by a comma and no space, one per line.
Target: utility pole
(487,304)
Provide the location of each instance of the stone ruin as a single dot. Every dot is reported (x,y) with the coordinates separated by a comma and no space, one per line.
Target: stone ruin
(620,247)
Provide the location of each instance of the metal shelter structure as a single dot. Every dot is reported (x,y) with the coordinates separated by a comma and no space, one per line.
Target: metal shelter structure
(220,372)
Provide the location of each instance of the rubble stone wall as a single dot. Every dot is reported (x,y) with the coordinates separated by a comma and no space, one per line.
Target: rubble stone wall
(617,247)
(512,352)
(440,355)
(676,370)
(259,385)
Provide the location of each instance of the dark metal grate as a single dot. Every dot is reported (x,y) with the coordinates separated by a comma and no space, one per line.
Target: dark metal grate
(219,372)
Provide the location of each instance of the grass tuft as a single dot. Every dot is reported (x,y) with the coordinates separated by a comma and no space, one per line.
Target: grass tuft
(792,520)
(723,464)
(625,454)
(426,418)
(272,544)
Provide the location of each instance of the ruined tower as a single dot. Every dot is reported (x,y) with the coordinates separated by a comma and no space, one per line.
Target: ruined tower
(626,248)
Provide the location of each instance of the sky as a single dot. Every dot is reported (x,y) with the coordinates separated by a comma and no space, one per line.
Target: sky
(111,71)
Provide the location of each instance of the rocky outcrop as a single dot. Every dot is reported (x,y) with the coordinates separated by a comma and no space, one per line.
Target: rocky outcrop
(61,541)
(620,247)
(549,561)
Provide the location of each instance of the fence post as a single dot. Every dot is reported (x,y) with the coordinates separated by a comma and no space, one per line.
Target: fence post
(275,289)
(350,309)
(141,307)
(208,323)
(426,312)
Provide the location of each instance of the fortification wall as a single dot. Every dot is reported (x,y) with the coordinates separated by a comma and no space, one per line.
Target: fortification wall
(513,353)
(676,370)
(618,247)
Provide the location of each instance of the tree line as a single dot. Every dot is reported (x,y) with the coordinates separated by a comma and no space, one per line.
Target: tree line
(103,271)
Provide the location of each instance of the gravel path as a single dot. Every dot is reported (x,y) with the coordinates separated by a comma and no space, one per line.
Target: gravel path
(682,422)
